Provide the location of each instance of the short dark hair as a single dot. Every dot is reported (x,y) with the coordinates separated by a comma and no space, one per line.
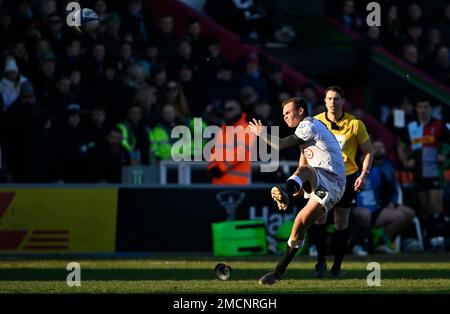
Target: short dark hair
(422,99)
(336,89)
(298,103)
(99,108)
(192,20)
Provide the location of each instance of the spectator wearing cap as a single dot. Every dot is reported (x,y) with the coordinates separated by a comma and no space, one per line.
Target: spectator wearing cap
(72,146)
(31,151)
(11,82)
(253,77)
(45,78)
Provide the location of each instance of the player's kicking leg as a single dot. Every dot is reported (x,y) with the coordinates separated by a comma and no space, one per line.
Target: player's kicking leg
(305,177)
(325,189)
(305,218)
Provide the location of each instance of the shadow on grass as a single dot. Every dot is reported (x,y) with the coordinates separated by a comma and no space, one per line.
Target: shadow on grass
(56,274)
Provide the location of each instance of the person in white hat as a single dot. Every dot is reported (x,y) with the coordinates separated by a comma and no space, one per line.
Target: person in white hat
(11,82)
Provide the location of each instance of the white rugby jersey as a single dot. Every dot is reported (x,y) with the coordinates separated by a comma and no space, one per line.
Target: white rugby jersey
(320,147)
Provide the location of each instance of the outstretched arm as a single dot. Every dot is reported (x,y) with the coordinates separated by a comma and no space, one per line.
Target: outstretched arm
(274,141)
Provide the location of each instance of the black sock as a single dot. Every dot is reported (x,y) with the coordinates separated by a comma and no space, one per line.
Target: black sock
(289,254)
(291,187)
(318,236)
(340,247)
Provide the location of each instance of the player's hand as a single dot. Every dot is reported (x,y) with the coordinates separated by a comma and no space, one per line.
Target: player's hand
(256,127)
(360,182)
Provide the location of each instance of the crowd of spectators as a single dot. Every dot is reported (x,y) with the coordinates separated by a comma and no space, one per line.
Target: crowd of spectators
(77,107)
(419,37)
(69,98)
(419,34)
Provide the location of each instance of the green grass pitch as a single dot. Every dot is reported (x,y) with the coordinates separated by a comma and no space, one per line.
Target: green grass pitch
(415,273)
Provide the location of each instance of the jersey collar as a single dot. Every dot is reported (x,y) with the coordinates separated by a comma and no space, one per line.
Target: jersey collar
(337,120)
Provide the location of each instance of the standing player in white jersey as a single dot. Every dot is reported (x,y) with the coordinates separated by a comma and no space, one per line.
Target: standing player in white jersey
(321,178)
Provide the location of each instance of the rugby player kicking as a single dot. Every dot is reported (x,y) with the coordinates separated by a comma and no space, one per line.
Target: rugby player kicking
(320,175)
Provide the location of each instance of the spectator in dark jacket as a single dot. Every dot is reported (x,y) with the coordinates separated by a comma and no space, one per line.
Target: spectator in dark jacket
(134,22)
(194,32)
(31,149)
(59,99)
(223,86)
(72,147)
(45,78)
(97,128)
(105,161)
(192,86)
(165,37)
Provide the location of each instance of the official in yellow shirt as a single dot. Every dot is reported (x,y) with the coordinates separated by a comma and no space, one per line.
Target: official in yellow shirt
(352,135)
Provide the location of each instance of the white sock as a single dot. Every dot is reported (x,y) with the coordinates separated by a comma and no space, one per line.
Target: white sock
(296,179)
(294,244)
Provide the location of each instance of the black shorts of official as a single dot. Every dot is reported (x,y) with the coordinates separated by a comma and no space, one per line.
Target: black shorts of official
(426,184)
(348,199)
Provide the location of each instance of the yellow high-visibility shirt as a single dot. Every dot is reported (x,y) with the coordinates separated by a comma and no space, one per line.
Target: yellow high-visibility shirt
(350,133)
